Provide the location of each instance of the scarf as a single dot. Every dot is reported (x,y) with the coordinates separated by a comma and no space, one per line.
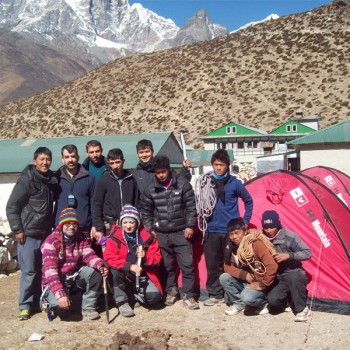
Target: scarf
(220,182)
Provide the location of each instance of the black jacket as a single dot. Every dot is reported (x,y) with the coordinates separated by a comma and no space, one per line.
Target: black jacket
(111,195)
(169,210)
(30,206)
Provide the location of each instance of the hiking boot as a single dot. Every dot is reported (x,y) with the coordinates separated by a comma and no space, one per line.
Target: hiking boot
(24,315)
(264,311)
(190,303)
(302,315)
(234,310)
(126,311)
(91,315)
(170,300)
(213,301)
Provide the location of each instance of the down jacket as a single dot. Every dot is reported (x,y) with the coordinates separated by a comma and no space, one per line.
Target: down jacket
(30,206)
(169,210)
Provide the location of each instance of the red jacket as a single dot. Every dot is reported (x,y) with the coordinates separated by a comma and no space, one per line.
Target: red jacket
(116,253)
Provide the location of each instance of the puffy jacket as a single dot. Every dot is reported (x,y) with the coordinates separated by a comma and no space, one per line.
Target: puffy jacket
(111,195)
(82,186)
(169,210)
(116,253)
(30,206)
(224,212)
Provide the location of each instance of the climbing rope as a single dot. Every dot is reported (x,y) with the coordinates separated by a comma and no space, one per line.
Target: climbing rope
(245,252)
(205,199)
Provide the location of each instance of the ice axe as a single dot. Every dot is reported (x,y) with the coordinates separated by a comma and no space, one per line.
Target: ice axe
(183,145)
(139,249)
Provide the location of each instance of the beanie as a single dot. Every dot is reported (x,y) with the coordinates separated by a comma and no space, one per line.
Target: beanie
(67,215)
(270,218)
(128,211)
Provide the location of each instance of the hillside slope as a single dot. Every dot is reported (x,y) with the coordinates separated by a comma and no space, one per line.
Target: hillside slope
(259,75)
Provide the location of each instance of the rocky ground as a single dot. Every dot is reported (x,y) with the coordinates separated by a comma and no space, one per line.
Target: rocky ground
(169,328)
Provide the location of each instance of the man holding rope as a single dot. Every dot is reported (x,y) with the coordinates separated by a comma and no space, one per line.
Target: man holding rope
(250,269)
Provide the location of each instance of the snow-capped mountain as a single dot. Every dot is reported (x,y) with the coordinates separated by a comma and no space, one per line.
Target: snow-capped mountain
(98,30)
(268,18)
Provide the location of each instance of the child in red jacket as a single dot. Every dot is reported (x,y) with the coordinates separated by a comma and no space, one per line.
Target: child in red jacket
(134,258)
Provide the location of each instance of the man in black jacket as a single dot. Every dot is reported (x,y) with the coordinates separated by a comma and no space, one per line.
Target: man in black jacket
(114,189)
(168,209)
(30,213)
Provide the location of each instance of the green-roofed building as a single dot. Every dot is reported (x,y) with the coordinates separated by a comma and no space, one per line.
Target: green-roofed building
(327,147)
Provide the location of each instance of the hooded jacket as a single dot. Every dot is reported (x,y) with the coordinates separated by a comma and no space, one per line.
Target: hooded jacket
(169,210)
(116,253)
(30,206)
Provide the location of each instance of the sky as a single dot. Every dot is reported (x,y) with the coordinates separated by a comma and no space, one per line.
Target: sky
(232,14)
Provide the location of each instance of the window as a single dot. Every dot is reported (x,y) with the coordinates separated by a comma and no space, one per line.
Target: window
(231,130)
(240,145)
(255,144)
(291,128)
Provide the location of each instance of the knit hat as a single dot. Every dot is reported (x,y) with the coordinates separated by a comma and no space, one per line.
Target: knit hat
(67,215)
(270,218)
(128,211)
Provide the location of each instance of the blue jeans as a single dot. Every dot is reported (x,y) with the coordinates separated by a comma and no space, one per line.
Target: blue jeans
(237,292)
(88,279)
(30,263)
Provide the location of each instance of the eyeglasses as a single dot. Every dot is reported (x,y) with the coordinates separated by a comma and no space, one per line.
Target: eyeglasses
(71,224)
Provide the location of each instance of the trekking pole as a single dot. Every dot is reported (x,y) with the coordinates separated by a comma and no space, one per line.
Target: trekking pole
(139,249)
(105,291)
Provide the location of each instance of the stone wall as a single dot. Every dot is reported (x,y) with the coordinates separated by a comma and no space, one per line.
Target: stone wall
(8,251)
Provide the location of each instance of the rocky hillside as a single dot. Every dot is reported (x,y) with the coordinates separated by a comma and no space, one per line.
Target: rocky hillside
(259,75)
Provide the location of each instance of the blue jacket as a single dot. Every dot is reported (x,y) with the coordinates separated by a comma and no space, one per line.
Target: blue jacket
(82,187)
(224,212)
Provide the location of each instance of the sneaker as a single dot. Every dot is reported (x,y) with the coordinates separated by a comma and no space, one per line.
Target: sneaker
(126,311)
(234,310)
(24,315)
(213,301)
(288,309)
(91,314)
(170,300)
(264,311)
(190,303)
(302,315)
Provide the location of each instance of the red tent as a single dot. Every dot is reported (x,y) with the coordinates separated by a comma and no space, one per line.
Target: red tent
(310,209)
(335,180)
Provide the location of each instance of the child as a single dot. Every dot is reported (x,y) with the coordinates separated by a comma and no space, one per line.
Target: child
(134,257)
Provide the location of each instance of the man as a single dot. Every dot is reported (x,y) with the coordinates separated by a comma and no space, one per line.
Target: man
(144,172)
(168,209)
(115,188)
(134,257)
(69,263)
(30,214)
(95,162)
(290,285)
(227,191)
(249,269)
(76,189)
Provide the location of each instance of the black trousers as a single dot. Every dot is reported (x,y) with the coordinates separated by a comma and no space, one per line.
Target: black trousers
(214,247)
(173,246)
(290,287)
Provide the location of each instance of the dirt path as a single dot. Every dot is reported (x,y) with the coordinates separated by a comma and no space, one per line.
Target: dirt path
(169,328)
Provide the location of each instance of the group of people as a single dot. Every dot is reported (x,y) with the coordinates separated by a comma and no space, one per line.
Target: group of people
(96,220)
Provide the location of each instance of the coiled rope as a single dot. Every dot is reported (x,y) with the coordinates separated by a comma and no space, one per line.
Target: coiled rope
(205,199)
(245,252)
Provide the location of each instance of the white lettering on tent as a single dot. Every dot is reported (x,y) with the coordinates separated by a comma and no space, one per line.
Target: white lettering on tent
(330,181)
(299,196)
(324,239)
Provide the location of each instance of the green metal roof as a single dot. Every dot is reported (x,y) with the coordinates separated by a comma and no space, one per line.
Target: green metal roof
(337,133)
(17,153)
(241,130)
(300,129)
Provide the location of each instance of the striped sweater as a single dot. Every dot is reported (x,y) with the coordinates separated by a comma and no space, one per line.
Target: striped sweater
(59,261)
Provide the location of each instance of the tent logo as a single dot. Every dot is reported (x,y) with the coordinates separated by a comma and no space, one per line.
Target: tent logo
(330,181)
(299,196)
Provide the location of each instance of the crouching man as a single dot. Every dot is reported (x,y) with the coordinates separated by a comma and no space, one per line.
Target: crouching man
(134,257)
(249,269)
(69,263)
